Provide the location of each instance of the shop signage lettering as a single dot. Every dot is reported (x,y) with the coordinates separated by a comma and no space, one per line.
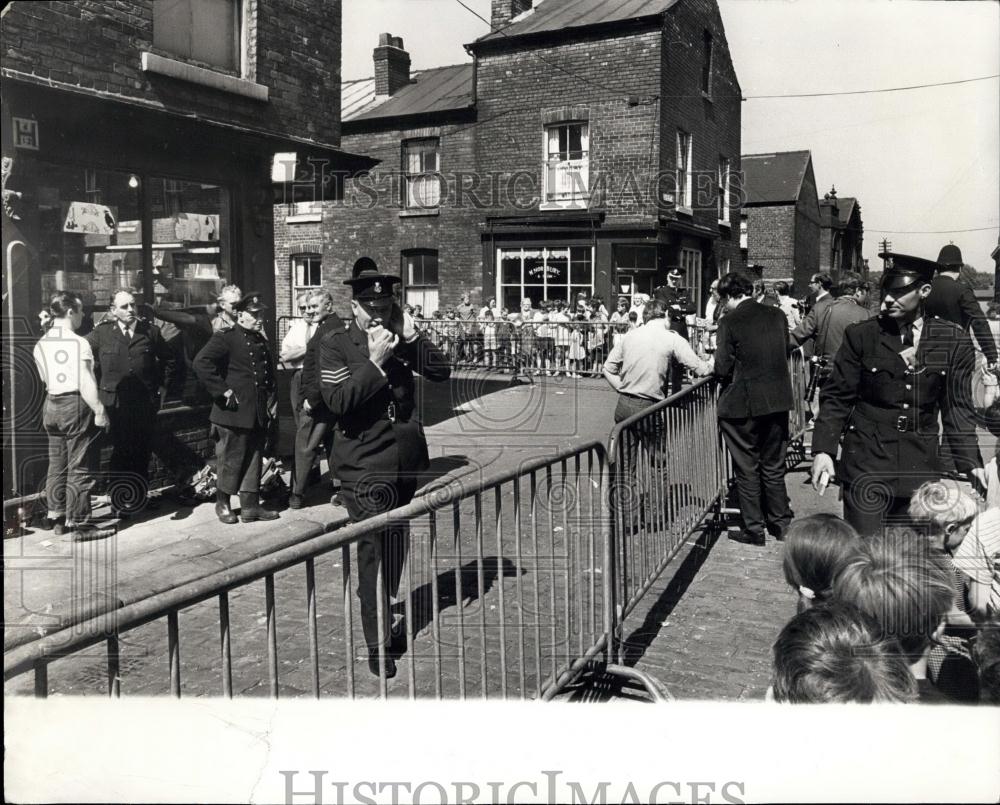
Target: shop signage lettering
(25,133)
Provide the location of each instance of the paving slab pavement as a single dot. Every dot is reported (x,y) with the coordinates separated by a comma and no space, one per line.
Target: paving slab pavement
(477,425)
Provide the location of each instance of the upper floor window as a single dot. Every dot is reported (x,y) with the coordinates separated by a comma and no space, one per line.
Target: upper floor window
(307,272)
(684,178)
(422,183)
(706,63)
(206,31)
(744,231)
(567,162)
(722,190)
(420,272)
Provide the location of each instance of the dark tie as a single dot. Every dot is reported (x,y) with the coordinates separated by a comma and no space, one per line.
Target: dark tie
(907,335)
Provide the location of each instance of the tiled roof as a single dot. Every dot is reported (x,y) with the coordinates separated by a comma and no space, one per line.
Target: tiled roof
(845,206)
(557,15)
(438,89)
(773,178)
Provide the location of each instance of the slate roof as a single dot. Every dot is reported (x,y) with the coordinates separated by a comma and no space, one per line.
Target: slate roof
(557,15)
(438,89)
(845,206)
(773,178)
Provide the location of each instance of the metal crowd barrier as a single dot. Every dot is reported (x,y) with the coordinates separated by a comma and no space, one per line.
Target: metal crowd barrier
(512,587)
(506,592)
(552,348)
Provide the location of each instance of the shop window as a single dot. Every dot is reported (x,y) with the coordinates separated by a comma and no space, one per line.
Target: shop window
(91,242)
(683,178)
(635,268)
(206,31)
(307,272)
(691,263)
(420,278)
(544,273)
(422,183)
(567,163)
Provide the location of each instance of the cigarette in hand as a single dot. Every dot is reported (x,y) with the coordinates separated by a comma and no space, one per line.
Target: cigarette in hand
(824,481)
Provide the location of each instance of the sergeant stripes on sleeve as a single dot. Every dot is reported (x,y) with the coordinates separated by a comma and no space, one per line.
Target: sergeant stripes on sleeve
(335,376)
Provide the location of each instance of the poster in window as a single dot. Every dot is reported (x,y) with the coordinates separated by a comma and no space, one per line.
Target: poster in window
(84,218)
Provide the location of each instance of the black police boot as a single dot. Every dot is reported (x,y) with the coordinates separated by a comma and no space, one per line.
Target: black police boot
(390,664)
(222,510)
(251,511)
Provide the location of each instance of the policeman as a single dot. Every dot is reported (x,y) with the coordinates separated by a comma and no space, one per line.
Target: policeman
(134,368)
(366,381)
(955,301)
(892,377)
(678,304)
(237,369)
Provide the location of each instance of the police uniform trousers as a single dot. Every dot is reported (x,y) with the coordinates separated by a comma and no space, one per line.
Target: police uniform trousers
(303,457)
(758,446)
(239,454)
(134,432)
(386,549)
(870,508)
(73,456)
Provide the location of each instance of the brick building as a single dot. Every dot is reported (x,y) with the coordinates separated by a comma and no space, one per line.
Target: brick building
(780,230)
(612,131)
(841,234)
(588,146)
(138,148)
(408,212)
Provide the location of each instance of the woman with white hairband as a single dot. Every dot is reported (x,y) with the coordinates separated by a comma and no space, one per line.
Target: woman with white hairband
(816,548)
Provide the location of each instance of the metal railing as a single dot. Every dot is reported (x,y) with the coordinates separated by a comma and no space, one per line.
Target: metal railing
(512,586)
(505,592)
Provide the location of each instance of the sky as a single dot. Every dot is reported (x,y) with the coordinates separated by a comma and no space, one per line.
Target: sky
(920,162)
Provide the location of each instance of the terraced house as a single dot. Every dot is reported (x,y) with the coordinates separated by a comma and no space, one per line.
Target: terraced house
(589,146)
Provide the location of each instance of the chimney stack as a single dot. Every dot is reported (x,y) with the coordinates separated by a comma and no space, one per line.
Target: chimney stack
(503,11)
(392,65)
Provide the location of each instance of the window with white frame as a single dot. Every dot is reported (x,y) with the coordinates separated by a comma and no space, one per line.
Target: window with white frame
(691,263)
(567,163)
(744,231)
(307,272)
(722,190)
(558,272)
(420,275)
(684,177)
(421,180)
(206,31)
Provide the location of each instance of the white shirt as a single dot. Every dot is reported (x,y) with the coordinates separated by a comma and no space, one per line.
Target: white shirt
(642,359)
(297,337)
(60,355)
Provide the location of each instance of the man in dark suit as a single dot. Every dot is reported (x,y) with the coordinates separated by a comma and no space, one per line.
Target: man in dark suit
(751,359)
(892,378)
(318,421)
(366,380)
(237,368)
(806,333)
(134,367)
(952,300)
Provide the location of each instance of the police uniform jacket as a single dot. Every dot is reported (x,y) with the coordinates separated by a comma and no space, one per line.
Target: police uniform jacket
(678,305)
(377,432)
(309,380)
(751,358)
(133,368)
(887,412)
(956,302)
(241,360)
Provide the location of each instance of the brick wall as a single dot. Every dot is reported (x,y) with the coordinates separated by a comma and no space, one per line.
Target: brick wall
(369,221)
(293,48)
(807,227)
(771,239)
(518,91)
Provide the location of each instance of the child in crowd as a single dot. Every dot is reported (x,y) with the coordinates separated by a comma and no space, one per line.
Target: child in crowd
(576,353)
(544,342)
(835,653)
(947,512)
(505,335)
(816,549)
(489,336)
(897,579)
(560,333)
